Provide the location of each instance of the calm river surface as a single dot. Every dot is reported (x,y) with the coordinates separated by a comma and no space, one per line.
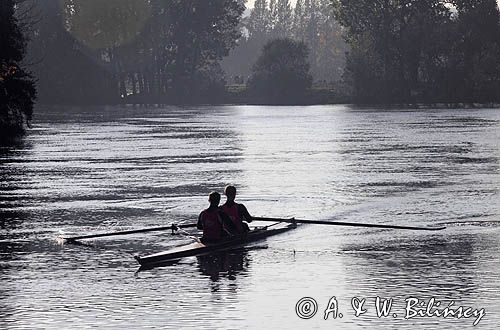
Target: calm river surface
(85,170)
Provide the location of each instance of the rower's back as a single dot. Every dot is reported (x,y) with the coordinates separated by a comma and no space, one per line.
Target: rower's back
(237,213)
(210,220)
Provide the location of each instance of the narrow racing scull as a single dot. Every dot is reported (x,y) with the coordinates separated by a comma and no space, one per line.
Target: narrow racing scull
(199,248)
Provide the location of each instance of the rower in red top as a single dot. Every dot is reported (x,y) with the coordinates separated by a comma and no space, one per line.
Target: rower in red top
(236,212)
(215,224)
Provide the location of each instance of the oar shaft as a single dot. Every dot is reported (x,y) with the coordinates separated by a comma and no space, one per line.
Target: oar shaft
(351,224)
(127,232)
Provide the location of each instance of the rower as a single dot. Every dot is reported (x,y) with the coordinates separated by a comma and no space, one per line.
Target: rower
(214,223)
(236,212)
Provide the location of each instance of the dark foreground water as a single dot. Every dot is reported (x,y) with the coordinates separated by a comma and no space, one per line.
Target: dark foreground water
(84,170)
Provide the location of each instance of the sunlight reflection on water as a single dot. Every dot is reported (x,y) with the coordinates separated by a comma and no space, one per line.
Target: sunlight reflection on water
(103,169)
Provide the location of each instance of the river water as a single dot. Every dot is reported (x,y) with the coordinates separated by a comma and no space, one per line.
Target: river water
(85,170)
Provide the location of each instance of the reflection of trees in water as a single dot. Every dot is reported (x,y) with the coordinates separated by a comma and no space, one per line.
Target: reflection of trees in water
(11,178)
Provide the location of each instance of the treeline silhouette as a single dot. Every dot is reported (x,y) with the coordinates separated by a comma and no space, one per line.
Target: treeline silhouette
(155,51)
(17,88)
(158,51)
(429,51)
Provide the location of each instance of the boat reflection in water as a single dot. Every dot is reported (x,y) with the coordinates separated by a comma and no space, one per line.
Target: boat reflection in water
(226,264)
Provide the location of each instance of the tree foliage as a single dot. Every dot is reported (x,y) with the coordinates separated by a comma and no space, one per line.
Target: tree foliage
(281,73)
(66,69)
(17,88)
(154,51)
(422,50)
(144,50)
(310,21)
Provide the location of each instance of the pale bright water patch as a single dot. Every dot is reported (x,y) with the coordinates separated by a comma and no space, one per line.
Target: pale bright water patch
(100,169)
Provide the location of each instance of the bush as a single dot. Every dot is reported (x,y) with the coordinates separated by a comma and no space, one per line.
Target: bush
(281,73)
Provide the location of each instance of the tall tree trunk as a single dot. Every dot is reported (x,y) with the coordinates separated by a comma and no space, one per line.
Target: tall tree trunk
(133,78)
(141,82)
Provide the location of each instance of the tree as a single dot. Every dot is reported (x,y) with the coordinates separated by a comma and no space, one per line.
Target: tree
(272,16)
(257,22)
(202,35)
(281,73)
(66,70)
(389,40)
(476,49)
(310,21)
(328,58)
(422,50)
(146,50)
(17,88)
(283,18)
(298,20)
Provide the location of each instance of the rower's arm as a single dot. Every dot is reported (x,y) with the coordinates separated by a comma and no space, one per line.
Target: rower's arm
(244,213)
(199,225)
(227,224)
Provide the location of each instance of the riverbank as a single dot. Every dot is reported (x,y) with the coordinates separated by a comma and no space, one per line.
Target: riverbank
(233,94)
(317,100)
(238,95)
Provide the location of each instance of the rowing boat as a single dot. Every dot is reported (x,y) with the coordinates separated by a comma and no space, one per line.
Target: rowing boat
(199,248)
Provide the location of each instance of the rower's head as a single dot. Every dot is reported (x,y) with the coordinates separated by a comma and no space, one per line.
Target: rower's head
(214,198)
(230,192)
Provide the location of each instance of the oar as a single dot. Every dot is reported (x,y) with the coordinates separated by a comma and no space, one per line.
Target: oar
(340,223)
(185,233)
(126,232)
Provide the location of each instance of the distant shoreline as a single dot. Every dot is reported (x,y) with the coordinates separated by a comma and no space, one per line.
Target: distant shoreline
(237,95)
(354,106)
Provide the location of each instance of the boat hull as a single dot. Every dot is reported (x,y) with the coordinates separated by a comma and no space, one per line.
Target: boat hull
(198,248)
